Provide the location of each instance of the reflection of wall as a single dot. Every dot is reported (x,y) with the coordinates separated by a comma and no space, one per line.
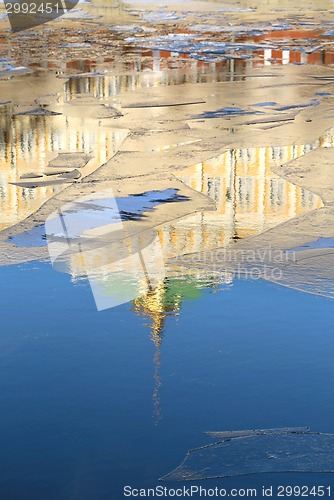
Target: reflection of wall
(249,199)
(26,142)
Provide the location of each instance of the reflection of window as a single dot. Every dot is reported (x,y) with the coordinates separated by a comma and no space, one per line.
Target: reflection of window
(307,148)
(307,199)
(247,154)
(276,153)
(214,188)
(295,152)
(246,190)
(276,192)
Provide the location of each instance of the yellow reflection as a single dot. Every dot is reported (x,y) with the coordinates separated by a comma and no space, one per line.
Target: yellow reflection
(156,306)
(29,142)
(250,198)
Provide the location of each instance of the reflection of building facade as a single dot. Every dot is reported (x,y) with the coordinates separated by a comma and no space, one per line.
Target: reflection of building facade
(306,55)
(27,142)
(164,67)
(249,198)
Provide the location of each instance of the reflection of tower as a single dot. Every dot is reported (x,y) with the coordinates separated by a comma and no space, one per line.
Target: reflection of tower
(157,304)
(163,301)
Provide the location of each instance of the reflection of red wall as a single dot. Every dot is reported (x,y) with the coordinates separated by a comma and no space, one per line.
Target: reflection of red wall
(82,65)
(287,34)
(164,54)
(319,57)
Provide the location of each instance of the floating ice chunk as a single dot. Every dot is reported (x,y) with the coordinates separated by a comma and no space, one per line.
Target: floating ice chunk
(131,28)
(268,451)
(232,8)
(214,28)
(78,14)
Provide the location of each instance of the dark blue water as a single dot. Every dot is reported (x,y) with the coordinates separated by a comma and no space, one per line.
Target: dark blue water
(77,416)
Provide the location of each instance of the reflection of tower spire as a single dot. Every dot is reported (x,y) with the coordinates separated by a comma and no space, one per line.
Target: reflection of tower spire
(155,305)
(157,384)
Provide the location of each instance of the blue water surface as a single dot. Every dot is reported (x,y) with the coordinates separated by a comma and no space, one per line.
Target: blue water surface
(83,414)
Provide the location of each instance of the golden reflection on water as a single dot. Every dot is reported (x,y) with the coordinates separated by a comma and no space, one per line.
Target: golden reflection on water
(28,143)
(156,305)
(249,199)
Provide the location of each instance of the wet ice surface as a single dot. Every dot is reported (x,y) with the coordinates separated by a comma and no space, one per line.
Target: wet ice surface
(75,141)
(264,104)
(313,102)
(90,214)
(266,452)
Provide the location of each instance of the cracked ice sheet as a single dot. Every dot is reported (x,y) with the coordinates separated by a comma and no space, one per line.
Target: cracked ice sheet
(229,95)
(10,254)
(189,150)
(263,453)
